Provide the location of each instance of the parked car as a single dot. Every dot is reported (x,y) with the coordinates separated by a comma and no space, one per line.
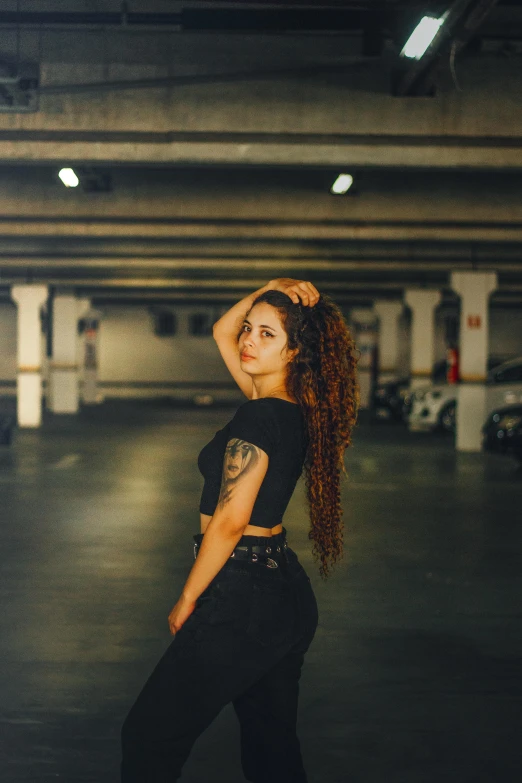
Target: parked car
(502,431)
(391,399)
(505,383)
(433,407)
(387,400)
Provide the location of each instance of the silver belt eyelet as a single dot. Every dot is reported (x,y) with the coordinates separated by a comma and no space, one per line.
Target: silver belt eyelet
(233,554)
(269,549)
(254,557)
(278,548)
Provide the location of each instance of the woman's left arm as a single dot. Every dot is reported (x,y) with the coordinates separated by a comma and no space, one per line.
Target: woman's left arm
(244,468)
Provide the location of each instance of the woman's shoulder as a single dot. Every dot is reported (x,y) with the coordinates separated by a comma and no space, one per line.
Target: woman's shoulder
(271,401)
(270,419)
(269,407)
(260,406)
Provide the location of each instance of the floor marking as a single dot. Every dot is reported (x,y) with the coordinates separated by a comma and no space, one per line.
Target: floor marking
(66,462)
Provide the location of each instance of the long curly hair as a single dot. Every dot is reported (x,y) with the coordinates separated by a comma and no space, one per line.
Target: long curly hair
(322,377)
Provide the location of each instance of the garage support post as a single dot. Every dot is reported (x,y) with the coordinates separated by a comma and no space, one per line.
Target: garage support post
(363,322)
(63,394)
(388,338)
(474,289)
(29,300)
(422,303)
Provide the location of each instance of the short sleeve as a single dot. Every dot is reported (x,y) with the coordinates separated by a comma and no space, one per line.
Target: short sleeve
(255,422)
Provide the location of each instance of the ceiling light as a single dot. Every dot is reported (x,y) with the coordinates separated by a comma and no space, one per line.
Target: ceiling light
(422,37)
(69,178)
(342,184)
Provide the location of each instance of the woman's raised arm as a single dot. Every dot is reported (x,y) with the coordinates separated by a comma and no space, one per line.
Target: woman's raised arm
(226,330)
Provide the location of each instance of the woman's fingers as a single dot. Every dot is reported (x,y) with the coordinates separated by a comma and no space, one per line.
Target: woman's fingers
(308,293)
(299,290)
(303,293)
(313,292)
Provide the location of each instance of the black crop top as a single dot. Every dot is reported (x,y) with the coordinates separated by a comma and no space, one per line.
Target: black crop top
(278,427)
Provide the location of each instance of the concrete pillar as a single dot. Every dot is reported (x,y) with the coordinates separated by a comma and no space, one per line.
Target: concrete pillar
(474,289)
(63,377)
(90,391)
(422,303)
(388,336)
(29,299)
(363,326)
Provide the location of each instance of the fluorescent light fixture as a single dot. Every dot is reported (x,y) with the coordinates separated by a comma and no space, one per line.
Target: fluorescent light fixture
(421,37)
(69,178)
(342,184)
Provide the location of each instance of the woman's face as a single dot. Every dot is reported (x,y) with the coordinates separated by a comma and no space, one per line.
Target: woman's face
(263,341)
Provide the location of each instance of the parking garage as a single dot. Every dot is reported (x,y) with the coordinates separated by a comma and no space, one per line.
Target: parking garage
(159,164)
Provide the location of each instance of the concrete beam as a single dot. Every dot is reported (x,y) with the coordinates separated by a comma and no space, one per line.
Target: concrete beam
(78,264)
(272,150)
(266,228)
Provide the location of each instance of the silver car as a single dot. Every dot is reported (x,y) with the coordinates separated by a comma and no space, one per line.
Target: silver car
(433,406)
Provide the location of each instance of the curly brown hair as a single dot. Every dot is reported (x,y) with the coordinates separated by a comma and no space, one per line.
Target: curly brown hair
(323,379)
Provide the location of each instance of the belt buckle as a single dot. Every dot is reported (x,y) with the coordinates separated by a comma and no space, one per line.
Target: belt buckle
(270,563)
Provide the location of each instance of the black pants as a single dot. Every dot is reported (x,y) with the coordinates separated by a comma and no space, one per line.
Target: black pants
(244,643)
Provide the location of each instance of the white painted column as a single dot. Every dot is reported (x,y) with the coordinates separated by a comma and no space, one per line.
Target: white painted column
(388,337)
(422,303)
(63,377)
(474,289)
(363,325)
(29,299)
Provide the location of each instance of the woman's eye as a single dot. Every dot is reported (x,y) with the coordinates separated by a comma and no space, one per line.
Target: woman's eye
(268,333)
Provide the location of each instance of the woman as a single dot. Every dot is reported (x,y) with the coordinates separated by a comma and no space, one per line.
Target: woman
(248,613)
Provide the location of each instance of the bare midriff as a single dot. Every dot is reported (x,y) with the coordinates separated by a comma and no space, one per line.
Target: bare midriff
(250,530)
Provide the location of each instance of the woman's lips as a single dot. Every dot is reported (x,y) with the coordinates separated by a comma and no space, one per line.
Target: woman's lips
(245,356)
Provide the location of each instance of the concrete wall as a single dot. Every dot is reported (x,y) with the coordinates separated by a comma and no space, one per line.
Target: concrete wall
(7,342)
(137,361)
(505,331)
(130,353)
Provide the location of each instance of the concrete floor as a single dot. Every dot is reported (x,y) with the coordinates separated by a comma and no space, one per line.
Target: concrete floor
(414,675)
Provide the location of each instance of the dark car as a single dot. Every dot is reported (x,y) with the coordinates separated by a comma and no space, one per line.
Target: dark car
(387,400)
(502,431)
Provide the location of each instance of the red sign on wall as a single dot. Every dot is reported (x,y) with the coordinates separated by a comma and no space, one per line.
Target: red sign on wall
(474,321)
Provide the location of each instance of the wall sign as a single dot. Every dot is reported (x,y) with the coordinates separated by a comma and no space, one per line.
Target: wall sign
(474,321)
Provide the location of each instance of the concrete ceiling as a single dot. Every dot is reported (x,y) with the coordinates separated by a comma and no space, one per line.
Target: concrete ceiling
(221,145)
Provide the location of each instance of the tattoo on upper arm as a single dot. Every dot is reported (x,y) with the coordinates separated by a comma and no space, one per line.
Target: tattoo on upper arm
(240,458)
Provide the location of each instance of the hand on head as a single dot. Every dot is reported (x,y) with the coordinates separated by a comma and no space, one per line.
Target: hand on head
(299,291)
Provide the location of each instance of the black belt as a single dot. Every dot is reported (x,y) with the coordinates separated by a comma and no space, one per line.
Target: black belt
(257,554)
